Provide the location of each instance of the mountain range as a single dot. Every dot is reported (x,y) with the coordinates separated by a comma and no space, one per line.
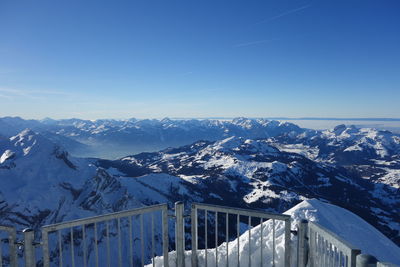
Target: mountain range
(245,163)
(113,139)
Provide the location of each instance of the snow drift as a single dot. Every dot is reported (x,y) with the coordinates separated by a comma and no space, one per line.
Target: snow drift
(344,223)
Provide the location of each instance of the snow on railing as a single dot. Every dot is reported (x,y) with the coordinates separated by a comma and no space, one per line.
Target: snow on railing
(317,246)
(220,236)
(226,216)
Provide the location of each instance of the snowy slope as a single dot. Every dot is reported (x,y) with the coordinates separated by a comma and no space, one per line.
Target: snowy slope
(247,173)
(40,183)
(345,224)
(234,171)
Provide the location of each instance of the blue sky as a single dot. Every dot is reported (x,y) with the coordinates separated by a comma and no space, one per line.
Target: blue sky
(146,59)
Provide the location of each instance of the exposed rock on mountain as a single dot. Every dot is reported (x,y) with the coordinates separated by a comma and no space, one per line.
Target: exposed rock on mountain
(269,165)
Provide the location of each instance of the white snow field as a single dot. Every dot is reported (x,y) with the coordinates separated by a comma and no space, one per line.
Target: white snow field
(344,223)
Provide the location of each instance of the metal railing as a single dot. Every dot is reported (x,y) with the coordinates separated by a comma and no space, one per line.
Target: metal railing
(110,240)
(78,231)
(328,249)
(11,241)
(229,217)
(317,246)
(86,242)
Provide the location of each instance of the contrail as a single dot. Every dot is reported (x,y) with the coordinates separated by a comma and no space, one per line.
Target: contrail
(255,42)
(283,14)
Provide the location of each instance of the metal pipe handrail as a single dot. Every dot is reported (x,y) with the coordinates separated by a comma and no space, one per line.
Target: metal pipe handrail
(101,218)
(244,212)
(336,240)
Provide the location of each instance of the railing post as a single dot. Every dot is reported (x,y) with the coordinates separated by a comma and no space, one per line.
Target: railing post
(193,217)
(353,258)
(302,243)
(287,242)
(29,249)
(179,234)
(365,260)
(45,246)
(12,238)
(165,230)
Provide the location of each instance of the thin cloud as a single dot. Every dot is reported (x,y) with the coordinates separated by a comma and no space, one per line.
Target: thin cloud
(291,11)
(33,94)
(5,96)
(255,42)
(12,93)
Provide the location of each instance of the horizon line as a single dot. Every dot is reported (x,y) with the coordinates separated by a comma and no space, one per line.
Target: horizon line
(227,118)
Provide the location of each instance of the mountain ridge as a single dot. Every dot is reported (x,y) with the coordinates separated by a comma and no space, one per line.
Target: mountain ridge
(271,173)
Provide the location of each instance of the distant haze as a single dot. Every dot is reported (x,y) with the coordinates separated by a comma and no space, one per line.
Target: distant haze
(320,124)
(390,124)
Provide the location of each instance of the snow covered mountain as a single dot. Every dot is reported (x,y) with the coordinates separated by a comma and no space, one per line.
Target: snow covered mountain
(370,154)
(116,138)
(269,165)
(254,173)
(40,184)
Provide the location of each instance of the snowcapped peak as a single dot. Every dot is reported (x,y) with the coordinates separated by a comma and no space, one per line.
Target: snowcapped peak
(25,133)
(29,143)
(166,119)
(284,123)
(8,154)
(275,123)
(352,129)
(338,130)
(26,140)
(228,143)
(343,132)
(244,122)
(241,145)
(258,146)
(239,119)
(26,137)
(249,141)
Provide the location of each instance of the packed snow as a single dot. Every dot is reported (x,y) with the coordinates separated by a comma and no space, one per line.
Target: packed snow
(342,222)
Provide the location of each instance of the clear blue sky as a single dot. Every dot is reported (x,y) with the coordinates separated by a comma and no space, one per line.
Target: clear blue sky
(120,59)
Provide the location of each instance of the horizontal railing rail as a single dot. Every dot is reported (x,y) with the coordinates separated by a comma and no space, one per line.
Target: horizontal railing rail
(239,211)
(102,218)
